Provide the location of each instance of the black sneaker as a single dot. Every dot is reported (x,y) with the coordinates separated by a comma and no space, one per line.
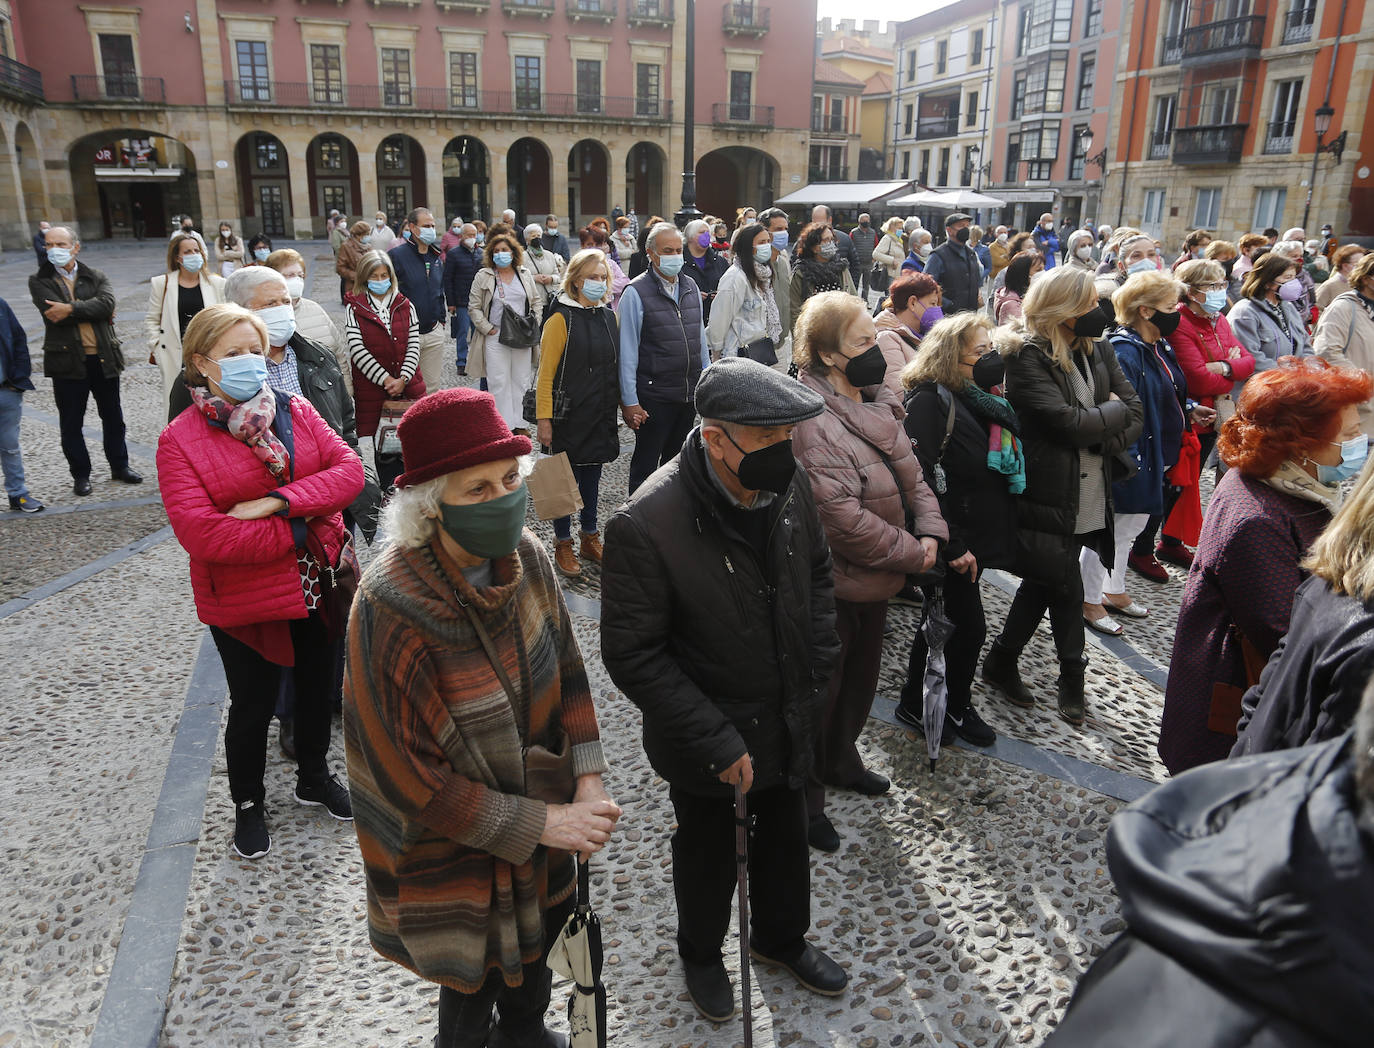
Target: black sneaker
(821,834)
(971,728)
(912,719)
(710,990)
(330,794)
(251,839)
(25,504)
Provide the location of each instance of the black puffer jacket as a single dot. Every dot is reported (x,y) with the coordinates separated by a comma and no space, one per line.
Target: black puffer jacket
(1054,426)
(1245,886)
(1312,685)
(723,654)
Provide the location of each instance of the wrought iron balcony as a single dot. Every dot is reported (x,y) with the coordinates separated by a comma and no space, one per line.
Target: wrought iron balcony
(657,13)
(1228,40)
(725,113)
(20,81)
(474,7)
(1297,23)
(745,20)
(1216,144)
(937,127)
(591,10)
(1160,143)
(1173,50)
(537,8)
(1278,139)
(146,89)
(828,173)
(827,124)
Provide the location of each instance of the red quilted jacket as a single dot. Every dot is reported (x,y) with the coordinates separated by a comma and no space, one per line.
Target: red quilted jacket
(244,571)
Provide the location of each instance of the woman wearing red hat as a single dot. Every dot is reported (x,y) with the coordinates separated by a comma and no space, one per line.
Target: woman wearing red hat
(462,672)
(255,482)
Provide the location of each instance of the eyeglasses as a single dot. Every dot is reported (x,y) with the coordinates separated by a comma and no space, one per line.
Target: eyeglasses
(1220,286)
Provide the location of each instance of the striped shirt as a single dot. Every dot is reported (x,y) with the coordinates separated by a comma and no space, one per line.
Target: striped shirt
(364,361)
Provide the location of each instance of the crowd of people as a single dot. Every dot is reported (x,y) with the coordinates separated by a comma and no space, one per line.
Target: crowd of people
(1043,402)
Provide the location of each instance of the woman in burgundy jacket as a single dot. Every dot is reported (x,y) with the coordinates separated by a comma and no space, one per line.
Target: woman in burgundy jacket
(252,479)
(383,336)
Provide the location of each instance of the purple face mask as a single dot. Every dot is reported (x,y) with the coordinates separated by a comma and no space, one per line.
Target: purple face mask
(930,318)
(1290,290)
(704,239)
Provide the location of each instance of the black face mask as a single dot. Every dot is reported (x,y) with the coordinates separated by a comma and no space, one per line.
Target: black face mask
(867,369)
(962,236)
(767,469)
(1091,324)
(1166,322)
(1226,265)
(989,371)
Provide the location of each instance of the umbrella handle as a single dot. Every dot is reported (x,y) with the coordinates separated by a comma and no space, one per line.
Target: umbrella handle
(584,885)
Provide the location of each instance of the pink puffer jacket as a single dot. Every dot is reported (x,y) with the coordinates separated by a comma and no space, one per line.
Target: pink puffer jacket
(899,348)
(842,450)
(244,571)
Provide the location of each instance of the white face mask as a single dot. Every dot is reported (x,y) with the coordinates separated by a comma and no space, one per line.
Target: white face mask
(1085,252)
(295,287)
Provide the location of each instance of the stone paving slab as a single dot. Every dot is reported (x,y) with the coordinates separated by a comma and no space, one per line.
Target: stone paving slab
(54,544)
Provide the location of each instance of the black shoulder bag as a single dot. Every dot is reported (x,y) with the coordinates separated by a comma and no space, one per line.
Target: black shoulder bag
(519,332)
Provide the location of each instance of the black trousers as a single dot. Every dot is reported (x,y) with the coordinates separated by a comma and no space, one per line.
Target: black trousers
(1144,544)
(704,872)
(964,608)
(72,396)
(659,437)
(465,1018)
(1065,605)
(255,683)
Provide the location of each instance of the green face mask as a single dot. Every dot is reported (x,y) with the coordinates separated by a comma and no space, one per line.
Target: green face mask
(488,529)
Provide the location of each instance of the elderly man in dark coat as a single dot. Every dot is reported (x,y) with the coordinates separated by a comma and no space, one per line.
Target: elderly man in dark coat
(718,621)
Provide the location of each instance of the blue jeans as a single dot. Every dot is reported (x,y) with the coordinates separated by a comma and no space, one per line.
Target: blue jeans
(589,484)
(463,324)
(11,407)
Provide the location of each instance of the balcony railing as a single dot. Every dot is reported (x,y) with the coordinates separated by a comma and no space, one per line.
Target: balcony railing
(1218,144)
(1160,143)
(827,125)
(738,113)
(537,8)
(20,81)
(828,173)
(937,128)
(1278,140)
(1173,50)
(591,10)
(475,7)
(1224,41)
(649,12)
(119,89)
(745,20)
(279,94)
(1297,24)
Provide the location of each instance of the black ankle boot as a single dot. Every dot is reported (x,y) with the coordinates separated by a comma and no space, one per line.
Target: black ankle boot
(1000,670)
(1070,688)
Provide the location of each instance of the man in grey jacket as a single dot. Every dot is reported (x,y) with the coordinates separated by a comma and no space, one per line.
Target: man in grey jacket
(865,239)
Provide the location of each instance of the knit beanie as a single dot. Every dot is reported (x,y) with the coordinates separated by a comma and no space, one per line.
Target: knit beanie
(451,430)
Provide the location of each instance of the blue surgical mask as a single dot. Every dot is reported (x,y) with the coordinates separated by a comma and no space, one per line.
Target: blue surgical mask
(1216,302)
(481,238)
(670,265)
(59,256)
(281,324)
(192,262)
(502,258)
(1353,452)
(780,240)
(261,253)
(406,234)
(242,377)
(763,254)
(593,290)
(427,234)
(1145,265)
(379,287)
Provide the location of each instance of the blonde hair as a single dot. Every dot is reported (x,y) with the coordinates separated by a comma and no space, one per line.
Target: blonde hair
(1363,270)
(174,250)
(938,358)
(1220,249)
(367,264)
(1343,554)
(207,328)
(283,257)
(1198,271)
(1154,290)
(1060,295)
(821,325)
(580,267)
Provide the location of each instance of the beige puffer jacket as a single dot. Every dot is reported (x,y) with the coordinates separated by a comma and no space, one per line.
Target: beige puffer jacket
(843,451)
(899,348)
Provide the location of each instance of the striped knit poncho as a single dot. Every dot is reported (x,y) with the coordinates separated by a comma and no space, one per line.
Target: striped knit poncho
(457,883)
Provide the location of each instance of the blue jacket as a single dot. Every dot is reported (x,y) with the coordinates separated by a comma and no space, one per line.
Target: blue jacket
(460,266)
(15,366)
(1158,380)
(913,263)
(984,254)
(422,281)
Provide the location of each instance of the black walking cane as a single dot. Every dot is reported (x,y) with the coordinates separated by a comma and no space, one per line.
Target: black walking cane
(742,875)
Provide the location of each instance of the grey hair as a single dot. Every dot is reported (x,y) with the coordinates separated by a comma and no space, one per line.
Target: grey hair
(1289,249)
(410,517)
(921,235)
(651,241)
(695,227)
(243,284)
(72,234)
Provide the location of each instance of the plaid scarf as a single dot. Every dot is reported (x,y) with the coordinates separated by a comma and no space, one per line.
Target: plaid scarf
(250,422)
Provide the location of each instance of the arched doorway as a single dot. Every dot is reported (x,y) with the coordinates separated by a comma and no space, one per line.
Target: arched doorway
(644,179)
(467,180)
(735,177)
(264,169)
(122,175)
(400,177)
(589,187)
(529,170)
(331,167)
(30,173)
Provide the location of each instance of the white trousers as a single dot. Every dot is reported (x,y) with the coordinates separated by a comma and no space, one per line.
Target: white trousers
(1096,579)
(508,376)
(433,350)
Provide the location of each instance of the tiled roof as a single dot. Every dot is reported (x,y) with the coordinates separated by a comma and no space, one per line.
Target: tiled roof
(850,45)
(878,84)
(829,73)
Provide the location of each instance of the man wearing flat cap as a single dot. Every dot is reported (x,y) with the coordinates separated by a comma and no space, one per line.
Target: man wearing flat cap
(718,622)
(955,267)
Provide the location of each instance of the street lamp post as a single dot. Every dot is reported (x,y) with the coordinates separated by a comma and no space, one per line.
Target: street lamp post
(689,211)
(1321,123)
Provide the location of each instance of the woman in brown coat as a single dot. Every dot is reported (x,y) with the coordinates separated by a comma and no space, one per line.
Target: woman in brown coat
(350,254)
(881,519)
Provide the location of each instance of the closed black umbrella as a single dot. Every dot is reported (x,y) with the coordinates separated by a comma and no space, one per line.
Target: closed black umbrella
(577,954)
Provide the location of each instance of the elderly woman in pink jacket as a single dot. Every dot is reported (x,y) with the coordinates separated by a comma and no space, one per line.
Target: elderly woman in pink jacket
(254,482)
(882,521)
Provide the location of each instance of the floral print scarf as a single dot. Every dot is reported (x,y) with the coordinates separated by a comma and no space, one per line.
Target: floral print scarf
(250,422)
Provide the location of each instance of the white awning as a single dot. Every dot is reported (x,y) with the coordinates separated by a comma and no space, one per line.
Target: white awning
(840,193)
(1026,196)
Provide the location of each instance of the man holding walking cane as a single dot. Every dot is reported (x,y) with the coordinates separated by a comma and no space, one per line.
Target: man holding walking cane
(718,622)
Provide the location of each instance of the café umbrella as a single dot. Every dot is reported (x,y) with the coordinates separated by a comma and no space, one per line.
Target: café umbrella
(577,954)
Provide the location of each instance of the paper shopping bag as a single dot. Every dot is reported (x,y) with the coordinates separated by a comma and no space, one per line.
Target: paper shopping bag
(554,488)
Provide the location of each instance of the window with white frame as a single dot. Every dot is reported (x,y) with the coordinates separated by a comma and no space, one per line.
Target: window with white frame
(1152,214)
(1269,204)
(1166,107)
(1283,121)
(1207,209)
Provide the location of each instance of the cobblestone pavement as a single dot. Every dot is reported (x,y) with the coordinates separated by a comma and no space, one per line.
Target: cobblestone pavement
(964,904)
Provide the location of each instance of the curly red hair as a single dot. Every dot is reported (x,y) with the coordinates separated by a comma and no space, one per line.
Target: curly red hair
(1285,412)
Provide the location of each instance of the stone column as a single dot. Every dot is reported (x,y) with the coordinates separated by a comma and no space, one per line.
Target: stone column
(367,185)
(617,178)
(498,187)
(301,225)
(559,148)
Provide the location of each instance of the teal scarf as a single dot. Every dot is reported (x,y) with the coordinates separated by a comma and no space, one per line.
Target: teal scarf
(1004,450)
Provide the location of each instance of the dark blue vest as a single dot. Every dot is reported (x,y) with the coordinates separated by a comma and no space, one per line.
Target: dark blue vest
(669,340)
